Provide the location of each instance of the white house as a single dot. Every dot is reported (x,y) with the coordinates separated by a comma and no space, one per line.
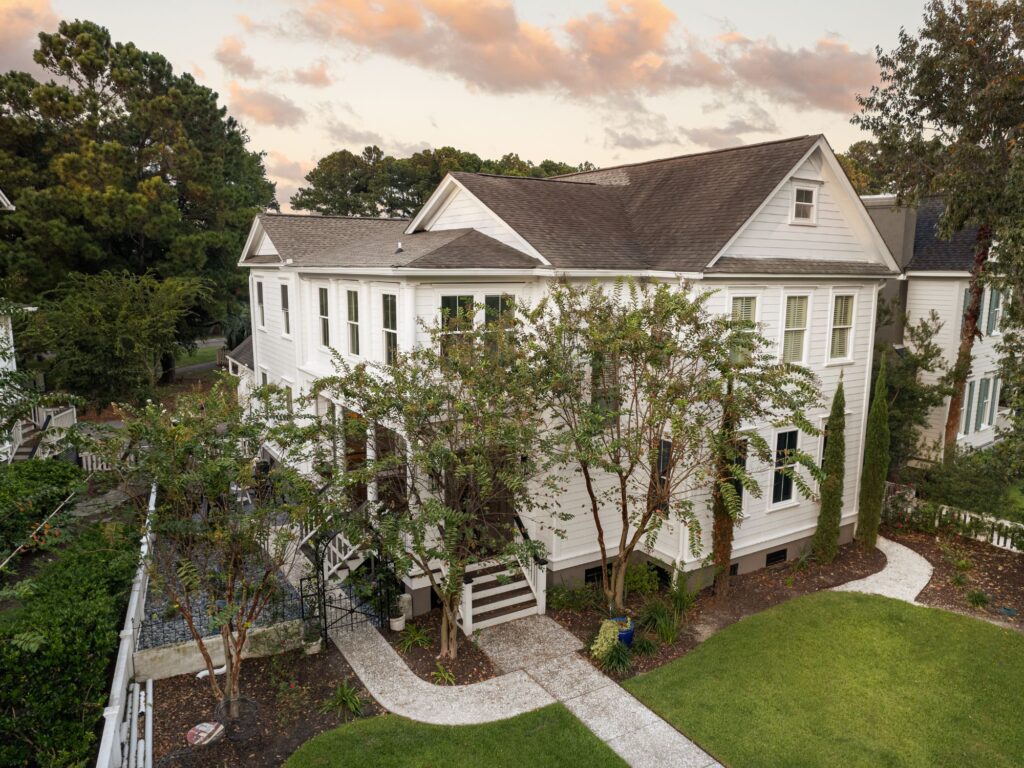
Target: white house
(775,229)
(937,278)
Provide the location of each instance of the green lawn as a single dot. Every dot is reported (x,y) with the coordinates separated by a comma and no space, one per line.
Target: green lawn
(547,737)
(837,679)
(201,355)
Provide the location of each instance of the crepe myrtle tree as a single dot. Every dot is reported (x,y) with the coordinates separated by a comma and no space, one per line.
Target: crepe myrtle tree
(457,456)
(752,389)
(220,522)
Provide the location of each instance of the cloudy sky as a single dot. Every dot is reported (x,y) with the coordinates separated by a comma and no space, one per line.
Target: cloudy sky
(609,81)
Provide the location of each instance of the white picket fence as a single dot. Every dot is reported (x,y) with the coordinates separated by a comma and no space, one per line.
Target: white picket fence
(124,744)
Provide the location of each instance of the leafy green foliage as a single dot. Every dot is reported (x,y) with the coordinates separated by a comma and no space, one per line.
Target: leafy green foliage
(973,480)
(659,617)
(442,675)
(607,638)
(876,464)
(292,700)
(585,597)
(344,702)
(57,644)
(118,163)
(826,536)
(977,598)
(374,184)
(617,661)
(413,636)
(29,491)
(680,597)
(641,579)
(644,645)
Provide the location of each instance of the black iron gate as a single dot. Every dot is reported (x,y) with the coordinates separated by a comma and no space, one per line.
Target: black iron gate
(365,596)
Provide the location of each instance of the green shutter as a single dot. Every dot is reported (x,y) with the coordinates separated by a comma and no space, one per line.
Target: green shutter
(994,300)
(979,419)
(994,406)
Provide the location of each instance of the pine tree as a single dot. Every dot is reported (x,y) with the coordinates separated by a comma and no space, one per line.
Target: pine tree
(876,464)
(826,537)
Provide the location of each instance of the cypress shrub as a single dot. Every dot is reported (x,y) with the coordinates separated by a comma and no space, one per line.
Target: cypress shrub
(826,537)
(876,464)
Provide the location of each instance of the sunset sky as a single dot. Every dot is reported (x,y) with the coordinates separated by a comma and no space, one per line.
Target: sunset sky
(608,81)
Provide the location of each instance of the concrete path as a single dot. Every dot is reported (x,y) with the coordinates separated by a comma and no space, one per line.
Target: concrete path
(400,690)
(904,576)
(539,647)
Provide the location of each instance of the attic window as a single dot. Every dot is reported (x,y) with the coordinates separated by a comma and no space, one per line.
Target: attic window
(804,205)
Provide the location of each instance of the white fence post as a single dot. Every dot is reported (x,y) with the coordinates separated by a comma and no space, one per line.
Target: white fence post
(466,608)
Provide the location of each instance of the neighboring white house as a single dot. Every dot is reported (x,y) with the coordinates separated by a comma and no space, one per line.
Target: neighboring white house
(937,278)
(775,228)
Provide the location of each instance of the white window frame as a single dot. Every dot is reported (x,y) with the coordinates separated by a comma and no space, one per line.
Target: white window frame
(350,324)
(746,294)
(384,329)
(264,377)
(967,406)
(286,319)
(833,295)
(815,190)
(809,295)
(795,500)
(261,306)
(323,321)
(999,312)
(987,422)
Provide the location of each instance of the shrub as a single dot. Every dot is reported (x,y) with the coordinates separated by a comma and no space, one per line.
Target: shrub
(344,702)
(658,617)
(442,675)
(641,579)
(977,598)
(292,701)
(680,597)
(617,661)
(973,480)
(826,535)
(875,467)
(54,680)
(29,491)
(645,645)
(607,638)
(413,636)
(579,599)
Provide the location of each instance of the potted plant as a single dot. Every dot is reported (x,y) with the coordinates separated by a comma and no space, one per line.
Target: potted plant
(626,629)
(396,615)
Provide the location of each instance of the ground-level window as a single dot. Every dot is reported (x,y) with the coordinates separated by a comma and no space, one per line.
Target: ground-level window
(353,323)
(263,378)
(325,322)
(795,333)
(782,481)
(390,307)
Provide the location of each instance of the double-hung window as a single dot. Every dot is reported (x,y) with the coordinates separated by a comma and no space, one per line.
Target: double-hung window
(286,322)
(261,313)
(744,311)
(963,313)
(353,322)
(794,337)
(805,205)
(497,308)
(390,324)
(994,406)
(967,407)
(842,327)
(782,481)
(995,310)
(664,470)
(456,318)
(980,419)
(325,319)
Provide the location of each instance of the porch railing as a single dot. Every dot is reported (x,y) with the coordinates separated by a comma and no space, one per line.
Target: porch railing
(534,568)
(17,438)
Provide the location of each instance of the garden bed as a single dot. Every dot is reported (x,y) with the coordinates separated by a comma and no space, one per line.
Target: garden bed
(470,666)
(289,688)
(749,594)
(964,568)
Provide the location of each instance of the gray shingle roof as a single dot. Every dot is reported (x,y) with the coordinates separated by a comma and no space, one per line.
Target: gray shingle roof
(736,266)
(243,353)
(344,241)
(933,254)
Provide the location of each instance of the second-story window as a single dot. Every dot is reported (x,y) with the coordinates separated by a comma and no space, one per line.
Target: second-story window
(804,205)
(285,319)
(390,307)
(353,322)
(261,314)
(842,327)
(995,310)
(795,334)
(325,323)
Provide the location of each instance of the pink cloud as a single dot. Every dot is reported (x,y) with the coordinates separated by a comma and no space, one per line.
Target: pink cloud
(21,21)
(826,77)
(315,74)
(263,107)
(282,167)
(232,56)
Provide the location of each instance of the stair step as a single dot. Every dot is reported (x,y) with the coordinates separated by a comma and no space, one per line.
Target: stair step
(490,588)
(502,600)
(485,568)
(504,615)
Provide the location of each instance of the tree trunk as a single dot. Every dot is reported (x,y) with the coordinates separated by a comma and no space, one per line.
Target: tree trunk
(449,629)
(962,368)
(721,537)
(619,582)
(167,368)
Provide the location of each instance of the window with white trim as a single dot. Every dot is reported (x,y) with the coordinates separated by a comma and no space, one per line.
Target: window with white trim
(805,205)
(980,418)
(794,336)
(994,407)
(390,307)
(325,321)
(353,322)
(995,310)
(967,407)
(842,328)
(263,378)
(260,310)
(744,309)
(285,319)
(782,480)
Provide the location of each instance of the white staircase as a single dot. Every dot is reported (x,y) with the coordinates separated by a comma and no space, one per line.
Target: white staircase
(494,594)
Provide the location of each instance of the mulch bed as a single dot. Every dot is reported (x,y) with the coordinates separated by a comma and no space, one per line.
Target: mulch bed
(997,572)
(470,666)
(748,594)
(289,715)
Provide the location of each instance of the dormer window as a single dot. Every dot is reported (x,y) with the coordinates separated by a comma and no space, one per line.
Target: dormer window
(805,205)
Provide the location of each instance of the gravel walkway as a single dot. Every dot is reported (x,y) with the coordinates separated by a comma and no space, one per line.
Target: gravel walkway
(905,575)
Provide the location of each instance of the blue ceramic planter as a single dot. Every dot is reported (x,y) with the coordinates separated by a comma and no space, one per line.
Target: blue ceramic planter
(626,635)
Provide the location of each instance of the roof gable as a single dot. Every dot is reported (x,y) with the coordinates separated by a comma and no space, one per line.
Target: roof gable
(932,254)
